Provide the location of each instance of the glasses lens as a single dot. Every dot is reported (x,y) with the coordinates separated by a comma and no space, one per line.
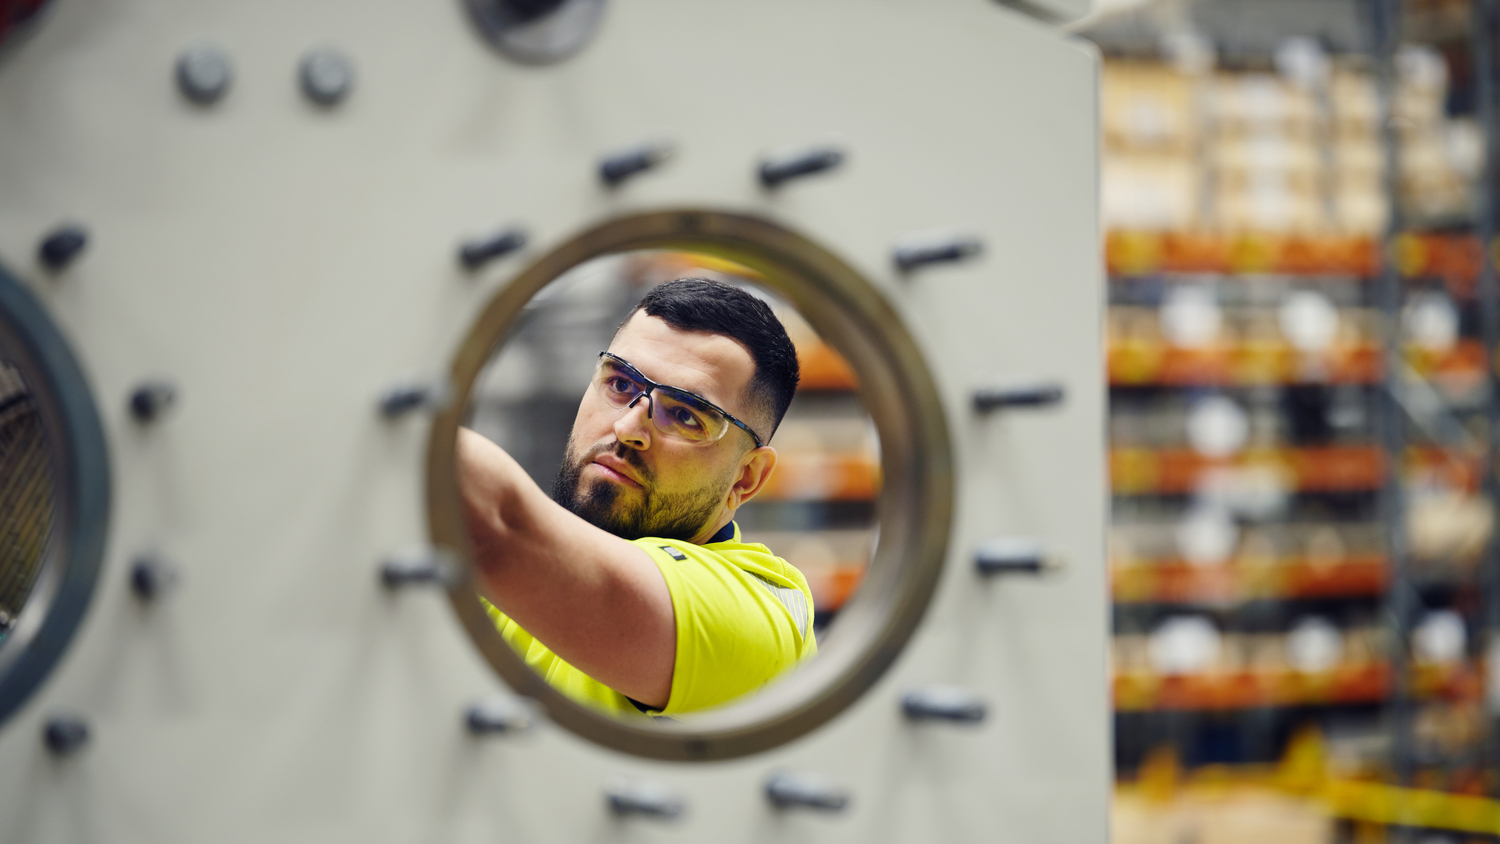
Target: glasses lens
(618,384)
(683,415)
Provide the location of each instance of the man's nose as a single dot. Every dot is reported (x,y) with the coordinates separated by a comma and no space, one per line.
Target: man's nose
(633,428)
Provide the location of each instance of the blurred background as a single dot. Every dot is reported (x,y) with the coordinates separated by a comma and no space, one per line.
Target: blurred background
(1302,341)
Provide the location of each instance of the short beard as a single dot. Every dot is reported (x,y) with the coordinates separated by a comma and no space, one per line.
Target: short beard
(665,515)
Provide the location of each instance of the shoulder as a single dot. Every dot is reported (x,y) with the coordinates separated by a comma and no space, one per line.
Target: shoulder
(749,557)
(730,582)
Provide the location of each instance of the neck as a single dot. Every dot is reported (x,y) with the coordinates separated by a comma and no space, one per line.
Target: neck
(713,528)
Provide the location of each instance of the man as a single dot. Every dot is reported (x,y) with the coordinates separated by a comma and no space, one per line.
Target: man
(634,591)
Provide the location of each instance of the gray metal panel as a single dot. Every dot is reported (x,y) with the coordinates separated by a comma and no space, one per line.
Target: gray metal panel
(1053,11)
(284,264)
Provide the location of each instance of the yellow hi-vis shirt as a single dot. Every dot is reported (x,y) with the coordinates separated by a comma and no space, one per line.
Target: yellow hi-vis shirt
(744,616)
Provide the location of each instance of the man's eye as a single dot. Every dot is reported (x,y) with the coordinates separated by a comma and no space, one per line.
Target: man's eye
(620,384)
(686,418)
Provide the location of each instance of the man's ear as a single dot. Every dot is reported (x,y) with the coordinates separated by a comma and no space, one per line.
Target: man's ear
(755,469)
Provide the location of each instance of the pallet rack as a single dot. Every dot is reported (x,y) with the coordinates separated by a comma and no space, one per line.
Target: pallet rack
(1428,408)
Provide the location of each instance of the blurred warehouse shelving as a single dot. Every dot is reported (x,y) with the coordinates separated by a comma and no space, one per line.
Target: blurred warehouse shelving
(1301,405)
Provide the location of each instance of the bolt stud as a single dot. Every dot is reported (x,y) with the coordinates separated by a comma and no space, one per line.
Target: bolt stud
(775,172)
(62,246)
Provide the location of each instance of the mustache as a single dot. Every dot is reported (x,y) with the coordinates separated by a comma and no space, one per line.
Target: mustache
(621,452)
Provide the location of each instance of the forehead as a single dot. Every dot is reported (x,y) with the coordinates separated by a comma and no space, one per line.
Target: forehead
(711,365)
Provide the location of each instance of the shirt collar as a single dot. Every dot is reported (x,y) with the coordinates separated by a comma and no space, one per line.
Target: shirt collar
(725,534)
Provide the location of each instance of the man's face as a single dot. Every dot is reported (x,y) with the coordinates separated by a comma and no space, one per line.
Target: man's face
(623,474)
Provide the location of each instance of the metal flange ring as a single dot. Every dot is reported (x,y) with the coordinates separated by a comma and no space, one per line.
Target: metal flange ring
(915,508)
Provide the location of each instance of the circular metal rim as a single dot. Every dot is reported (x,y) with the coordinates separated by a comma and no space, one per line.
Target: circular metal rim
(915,510)
(12,43)
(515,41)
(83,491)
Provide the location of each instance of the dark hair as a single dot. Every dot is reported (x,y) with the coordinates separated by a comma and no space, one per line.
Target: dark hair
(698,304)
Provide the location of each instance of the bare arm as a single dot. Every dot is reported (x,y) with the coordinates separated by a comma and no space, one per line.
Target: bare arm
(596,600)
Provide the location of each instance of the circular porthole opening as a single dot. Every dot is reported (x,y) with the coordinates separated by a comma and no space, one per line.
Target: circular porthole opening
(863,504)
(536,32)
(19,20)
(54,495)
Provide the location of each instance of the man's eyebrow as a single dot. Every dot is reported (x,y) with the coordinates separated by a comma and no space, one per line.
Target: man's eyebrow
(747,400)
(696,393)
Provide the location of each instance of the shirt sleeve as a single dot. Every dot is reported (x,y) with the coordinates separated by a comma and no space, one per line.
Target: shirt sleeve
(736,630)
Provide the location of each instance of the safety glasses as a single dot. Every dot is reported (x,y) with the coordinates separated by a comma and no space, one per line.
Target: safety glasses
(676,413)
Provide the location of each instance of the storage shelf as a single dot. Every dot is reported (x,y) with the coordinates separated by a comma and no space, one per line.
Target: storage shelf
(833,586)
(1453,258)
(1308,549)
(1134,363)
(1301,797)
(1361,683)
(824,369)
(815,476)
(1338,468)
(1175,471)
(1131,253)
(1246,364)
(1175,581)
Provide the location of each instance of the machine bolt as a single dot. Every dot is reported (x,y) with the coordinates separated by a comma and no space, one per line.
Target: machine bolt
(499,715)
(775,171)
(1014,555)
(949,251)
(647,799)
(943,703)
(152,577)
(65,735)
(787,790)
(619,166)
(1027,395)
(61,246)
(405,398)
(203,74)
(476,253)
(327,76)
(419,566)
(151,399)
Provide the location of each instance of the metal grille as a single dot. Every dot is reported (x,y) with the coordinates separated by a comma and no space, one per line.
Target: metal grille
(26,495)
